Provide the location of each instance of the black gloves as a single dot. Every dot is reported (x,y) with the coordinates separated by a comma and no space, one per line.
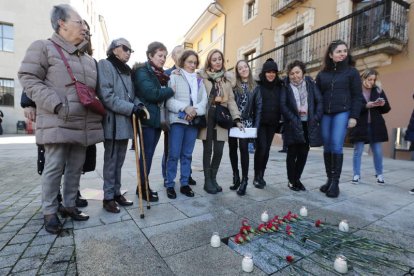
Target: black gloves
(140,111)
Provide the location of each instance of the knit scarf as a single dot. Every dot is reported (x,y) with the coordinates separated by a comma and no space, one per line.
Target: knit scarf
(218,79)
(159,73)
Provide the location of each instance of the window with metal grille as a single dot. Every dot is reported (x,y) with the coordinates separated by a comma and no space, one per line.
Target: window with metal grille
(6,92)
(293,51)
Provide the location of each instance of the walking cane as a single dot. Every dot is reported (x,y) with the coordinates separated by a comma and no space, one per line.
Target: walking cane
(141,139)
(134,123)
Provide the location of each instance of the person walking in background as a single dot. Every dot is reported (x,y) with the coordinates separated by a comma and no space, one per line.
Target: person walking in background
(219,91)
(150,84)
(301,105)
(269,87)
(249,103)
(409,136)
(189,101)
(340,85)
(371,127)
(64,125)
(1,121)
(117,94)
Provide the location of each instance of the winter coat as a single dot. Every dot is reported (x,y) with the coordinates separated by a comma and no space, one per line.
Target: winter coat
(253,108)
(118,96)
(293,129)
(409,134)
(271,114)
(181,98)
(341,90)
(149,91)
(379,131)
(227,101)
(46,81)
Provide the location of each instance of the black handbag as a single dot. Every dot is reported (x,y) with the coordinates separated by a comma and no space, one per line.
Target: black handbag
(199,122)
(223,117)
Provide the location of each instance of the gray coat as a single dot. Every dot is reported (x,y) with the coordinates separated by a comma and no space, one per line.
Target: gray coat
(118,97)
(45,79)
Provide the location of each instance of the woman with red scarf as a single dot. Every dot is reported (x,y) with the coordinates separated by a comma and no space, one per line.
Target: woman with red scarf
(150,83)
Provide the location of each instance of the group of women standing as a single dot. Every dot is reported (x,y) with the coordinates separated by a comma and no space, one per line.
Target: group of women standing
(314,113)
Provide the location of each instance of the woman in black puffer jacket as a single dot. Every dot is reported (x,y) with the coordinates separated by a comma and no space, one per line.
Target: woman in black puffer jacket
(269,87)
(301,105)
(371,125)
(340,85)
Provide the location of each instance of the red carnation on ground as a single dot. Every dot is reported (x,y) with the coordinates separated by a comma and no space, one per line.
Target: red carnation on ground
(290,258)
(262,228)
(288,228)
(239,238)
(245,222)
(271,227)
(318,223)
(245,229)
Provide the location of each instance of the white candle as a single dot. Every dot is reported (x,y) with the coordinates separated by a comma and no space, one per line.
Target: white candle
(265,216)
(303,211)
(340,264)
(215,240)
(343,226)
(247,263)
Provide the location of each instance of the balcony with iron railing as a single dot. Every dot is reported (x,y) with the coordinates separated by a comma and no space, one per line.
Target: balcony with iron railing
(280,7)
(378,28)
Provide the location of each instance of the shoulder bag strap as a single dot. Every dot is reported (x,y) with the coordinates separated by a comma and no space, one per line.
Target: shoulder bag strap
(65,61)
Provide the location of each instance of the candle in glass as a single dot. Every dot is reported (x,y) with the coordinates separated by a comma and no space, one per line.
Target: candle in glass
(247,263)
(343,226)
(340,264)
(303,211)
(265,216)
(215,240)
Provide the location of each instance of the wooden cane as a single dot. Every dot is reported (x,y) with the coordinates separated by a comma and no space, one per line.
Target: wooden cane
(134,123)
(144,163)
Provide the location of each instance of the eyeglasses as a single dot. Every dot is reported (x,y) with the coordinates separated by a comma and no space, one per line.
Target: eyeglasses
(126,49)
(191,62)
(80,22)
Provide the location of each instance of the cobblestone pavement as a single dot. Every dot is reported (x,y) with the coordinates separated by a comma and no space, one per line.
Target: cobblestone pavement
(173,239)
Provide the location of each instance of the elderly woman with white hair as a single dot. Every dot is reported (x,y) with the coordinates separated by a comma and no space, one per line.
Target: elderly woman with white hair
(117,94)
(63,125)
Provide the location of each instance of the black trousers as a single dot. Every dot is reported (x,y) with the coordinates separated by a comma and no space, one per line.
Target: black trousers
(264,140)
(243,145)
(296,157)
(212,149)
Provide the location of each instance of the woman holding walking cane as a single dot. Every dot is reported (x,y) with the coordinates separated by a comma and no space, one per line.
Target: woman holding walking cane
(117,94)
(150,84)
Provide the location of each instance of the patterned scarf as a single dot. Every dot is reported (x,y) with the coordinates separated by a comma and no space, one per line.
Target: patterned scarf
(159,73)
(301,95)
(218,79)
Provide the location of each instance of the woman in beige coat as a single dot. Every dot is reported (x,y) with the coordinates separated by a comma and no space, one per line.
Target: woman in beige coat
(220,92)
(63,125)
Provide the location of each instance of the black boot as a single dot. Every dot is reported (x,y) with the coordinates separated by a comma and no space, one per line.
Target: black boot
(337,160)
(242,189)
(80,201)
(257,182)
(214,180)
(153,196)
(236,181)
(327,157)
(208,183)
(261,179)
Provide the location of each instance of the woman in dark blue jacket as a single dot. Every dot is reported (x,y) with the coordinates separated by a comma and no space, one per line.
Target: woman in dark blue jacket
(301,105)
(150,84)
(340,85)
(249,102)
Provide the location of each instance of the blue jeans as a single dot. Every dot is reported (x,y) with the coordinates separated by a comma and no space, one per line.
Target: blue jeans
(376,149)
(151,137)
(181,144)
(334,131)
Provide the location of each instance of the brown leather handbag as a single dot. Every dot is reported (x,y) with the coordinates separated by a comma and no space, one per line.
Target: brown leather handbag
(87,95)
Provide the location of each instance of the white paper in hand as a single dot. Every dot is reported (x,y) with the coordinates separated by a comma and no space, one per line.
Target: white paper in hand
(249,132)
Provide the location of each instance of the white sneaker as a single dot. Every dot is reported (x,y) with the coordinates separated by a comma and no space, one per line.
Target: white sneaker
(411,192)
(355,179)
(380,179)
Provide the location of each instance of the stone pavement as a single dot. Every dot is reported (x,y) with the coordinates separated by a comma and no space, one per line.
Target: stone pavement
(174,236)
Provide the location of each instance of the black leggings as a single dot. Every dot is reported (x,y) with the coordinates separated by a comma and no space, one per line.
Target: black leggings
(243,145)
(264,140)
(212,147)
